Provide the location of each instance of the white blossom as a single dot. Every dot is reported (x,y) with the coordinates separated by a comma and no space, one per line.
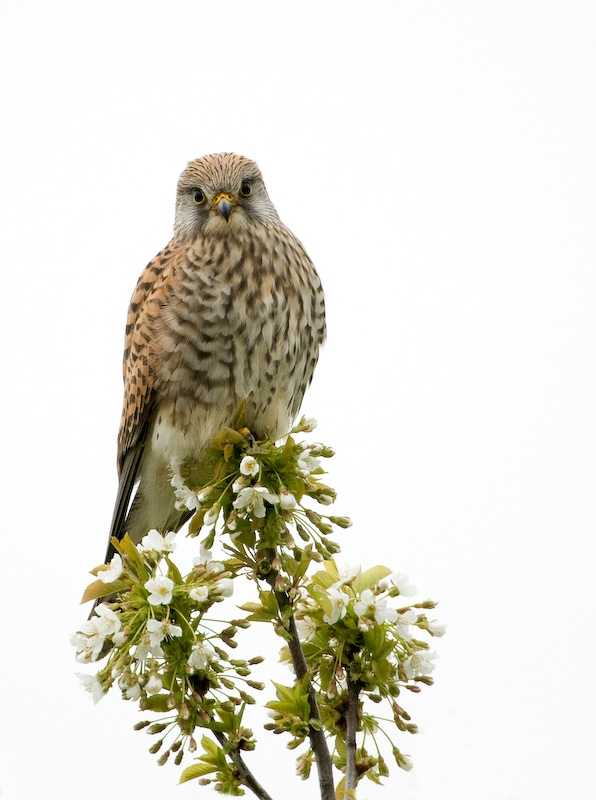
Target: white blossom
(211,516)
(238,484)
(185,497)
(224,587)
(436,628)
(119,638)
(160,590)
(420,663)
(133,692)
(199,594)
(307,464)
(252,497)
(92,685)
(144,647)
(405,762)
(90,639)
(153,685)
(402,582)
(346,574)
(307,424)
(201,654)
(404,622)
(159,629)
(339,606)
(112,571)
(249,466)
(205,558)
(374,606)
(155,542)
(306,628)
(109,621)
(286,499)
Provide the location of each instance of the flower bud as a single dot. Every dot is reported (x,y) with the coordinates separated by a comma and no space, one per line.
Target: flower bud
(211,516)
(342,522)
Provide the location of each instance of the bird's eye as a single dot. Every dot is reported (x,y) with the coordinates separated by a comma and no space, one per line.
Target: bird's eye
(199,197)
(245,189)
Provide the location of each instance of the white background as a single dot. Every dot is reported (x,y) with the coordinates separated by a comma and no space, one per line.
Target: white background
(437,161)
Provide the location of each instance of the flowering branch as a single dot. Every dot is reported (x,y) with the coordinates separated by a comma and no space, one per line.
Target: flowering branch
(351,725)
(245,775)
(316,734)
(350,646)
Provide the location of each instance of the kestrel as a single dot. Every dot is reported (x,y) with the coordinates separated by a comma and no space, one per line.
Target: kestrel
(231,310)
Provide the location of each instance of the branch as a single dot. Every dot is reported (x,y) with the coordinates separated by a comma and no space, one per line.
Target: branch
(246,776)
(351,723)
(317,737)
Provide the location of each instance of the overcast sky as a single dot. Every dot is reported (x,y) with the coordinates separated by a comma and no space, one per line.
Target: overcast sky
(436,158)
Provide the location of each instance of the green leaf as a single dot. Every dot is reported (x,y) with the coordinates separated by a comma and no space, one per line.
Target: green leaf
(227,436)
(321,598)
(324,579)
(370,577)
(196,522)
(196,771)
(156,702)
(99,589)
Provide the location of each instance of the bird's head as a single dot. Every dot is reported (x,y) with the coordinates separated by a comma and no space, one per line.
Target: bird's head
(220,195)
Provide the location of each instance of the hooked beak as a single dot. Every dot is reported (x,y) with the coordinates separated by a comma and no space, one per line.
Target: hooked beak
(223,204)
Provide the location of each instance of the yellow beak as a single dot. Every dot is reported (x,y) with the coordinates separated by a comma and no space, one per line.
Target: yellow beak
(223,204)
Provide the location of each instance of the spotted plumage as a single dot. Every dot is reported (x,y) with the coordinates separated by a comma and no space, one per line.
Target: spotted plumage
(231,310)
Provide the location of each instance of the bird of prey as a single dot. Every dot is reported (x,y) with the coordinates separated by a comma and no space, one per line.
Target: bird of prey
(230,312)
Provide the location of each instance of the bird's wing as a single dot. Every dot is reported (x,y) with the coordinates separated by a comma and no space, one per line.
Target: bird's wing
(140,382)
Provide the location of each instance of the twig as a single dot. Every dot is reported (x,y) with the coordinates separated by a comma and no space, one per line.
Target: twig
(317,737)
(246,776)
(351,723)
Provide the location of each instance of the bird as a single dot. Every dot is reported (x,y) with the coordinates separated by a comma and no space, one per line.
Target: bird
(230,313)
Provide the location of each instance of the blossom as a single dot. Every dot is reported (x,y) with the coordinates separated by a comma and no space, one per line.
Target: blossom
(307,464)
(404,762)
(133,692)
(403,622)
(199,593)
(201,654)
(144,647)
(401,581)
(249,466)
(159,629)
(306,628)
(211,516)
(436,628)
(157,543)
(225,587)
(420,663)
(286,499)
(90,639)
(160,590)
(346,574)
(307,424)
(153,685)
(375,606)
(339,606)
(252,497)
(185,497)
(112,571)
(109,622)
(92,685)
(205,558)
